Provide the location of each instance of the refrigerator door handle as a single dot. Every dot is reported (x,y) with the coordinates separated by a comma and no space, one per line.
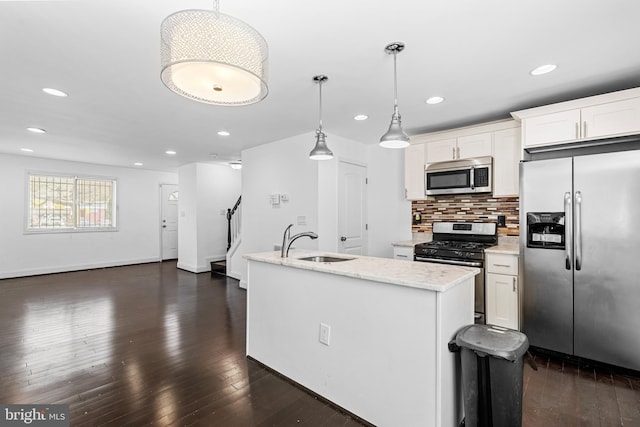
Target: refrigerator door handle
(578,230)
(568,231)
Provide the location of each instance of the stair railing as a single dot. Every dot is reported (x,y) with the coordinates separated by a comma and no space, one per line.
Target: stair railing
(233,223)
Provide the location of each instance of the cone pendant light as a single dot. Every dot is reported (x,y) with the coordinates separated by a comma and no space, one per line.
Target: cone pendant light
(320,151)
(395,136)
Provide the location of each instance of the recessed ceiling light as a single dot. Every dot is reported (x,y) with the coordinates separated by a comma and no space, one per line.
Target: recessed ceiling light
(543,69)
(435,100)
(170,152)
(235,165)
(36,130)
(27,150)
(223,133)
(361,117)
(54,92)
(137,164)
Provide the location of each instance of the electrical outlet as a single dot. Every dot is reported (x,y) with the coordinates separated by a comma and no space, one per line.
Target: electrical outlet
(325,333)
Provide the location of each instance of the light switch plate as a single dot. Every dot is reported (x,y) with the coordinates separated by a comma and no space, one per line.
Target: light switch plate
(325,333)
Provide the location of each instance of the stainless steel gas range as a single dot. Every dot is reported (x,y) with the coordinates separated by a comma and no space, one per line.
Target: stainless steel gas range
(461,243)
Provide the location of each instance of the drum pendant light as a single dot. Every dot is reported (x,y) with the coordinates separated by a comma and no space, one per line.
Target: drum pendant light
(395,136)
(214,58)
(320,151)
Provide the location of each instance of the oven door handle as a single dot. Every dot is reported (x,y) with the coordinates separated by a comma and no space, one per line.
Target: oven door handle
(450,261)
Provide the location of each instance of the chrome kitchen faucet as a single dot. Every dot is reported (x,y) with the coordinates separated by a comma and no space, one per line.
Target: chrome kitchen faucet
(287,241)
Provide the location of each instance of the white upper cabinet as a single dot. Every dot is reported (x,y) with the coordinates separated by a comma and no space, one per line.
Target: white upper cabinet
(478,145)
(596,117)
(614,118)
(506,161)
(441,151)
(463,147)
(552,128)
(414,172)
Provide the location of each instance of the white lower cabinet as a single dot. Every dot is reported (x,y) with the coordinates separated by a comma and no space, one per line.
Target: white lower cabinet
(403,252)
(502,290)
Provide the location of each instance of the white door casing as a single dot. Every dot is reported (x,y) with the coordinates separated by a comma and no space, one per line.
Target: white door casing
(169,221)
(352,224)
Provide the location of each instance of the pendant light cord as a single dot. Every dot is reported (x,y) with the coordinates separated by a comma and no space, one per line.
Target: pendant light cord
(216,6)
(320,110)
(395,84)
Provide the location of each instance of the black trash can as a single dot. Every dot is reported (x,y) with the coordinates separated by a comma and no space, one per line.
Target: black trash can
(492,363)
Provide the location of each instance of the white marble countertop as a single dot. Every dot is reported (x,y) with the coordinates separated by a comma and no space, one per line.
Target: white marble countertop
(417,238)
(423,275)
(509,245)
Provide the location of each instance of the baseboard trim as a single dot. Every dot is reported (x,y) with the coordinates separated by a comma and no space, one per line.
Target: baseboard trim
(70,268)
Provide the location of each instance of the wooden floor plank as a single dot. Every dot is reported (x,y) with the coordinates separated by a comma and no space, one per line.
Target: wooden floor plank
(153,345)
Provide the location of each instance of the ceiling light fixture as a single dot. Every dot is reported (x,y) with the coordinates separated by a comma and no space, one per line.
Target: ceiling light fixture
(27,150)
(320,151)
(36,130)
(395,136)
(434,100)
(236,165)
(137,164)
(361,117)
(223,133)
(54,92)
(214,58)
(543,69)
(170,152)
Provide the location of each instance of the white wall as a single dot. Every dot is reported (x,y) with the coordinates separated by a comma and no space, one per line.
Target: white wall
(284,167)
(206,192)
(137,239)
(389,213)
(188,218)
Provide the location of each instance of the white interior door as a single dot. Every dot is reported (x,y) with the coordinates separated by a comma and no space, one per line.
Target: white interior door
(352,225)
(169,217)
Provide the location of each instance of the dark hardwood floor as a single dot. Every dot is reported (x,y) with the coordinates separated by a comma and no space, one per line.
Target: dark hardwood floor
(153,345)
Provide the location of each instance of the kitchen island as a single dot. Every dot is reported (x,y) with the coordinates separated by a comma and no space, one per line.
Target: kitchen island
(368,334)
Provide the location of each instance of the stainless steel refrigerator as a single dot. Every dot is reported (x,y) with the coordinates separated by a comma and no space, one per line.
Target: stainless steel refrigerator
(580,246)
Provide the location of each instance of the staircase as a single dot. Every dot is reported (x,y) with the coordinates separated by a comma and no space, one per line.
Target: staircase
(233,238)
(219,268)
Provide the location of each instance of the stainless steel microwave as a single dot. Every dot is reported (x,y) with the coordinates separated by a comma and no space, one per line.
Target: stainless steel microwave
(459,176)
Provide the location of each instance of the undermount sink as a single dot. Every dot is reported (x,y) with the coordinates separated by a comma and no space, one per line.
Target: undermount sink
(322,258)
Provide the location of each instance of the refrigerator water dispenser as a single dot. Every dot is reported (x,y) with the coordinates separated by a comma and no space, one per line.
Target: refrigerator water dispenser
(545,230)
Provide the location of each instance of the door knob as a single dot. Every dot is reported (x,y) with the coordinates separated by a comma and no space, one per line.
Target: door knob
(164,226)
(343,239)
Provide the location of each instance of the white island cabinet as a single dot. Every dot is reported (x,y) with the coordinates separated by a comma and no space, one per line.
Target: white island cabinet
(368,334)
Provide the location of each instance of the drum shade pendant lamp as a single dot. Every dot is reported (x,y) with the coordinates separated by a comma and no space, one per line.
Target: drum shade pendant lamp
(320,151)
(213,58)
(395,136)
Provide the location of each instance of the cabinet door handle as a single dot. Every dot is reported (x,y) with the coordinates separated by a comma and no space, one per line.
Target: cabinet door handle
(514,284)
(402,256)
(577,130)
(458,150)
(502,265)
(453,152)
(584,129)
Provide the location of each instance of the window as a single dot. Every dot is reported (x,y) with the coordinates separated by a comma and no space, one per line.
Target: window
(71,203)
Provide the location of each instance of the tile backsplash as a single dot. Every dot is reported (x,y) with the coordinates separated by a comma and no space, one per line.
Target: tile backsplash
(467,208)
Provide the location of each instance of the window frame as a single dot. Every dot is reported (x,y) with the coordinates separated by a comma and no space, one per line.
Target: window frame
(74,228)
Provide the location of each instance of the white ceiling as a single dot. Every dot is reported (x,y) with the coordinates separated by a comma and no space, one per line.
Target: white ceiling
(476,53)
